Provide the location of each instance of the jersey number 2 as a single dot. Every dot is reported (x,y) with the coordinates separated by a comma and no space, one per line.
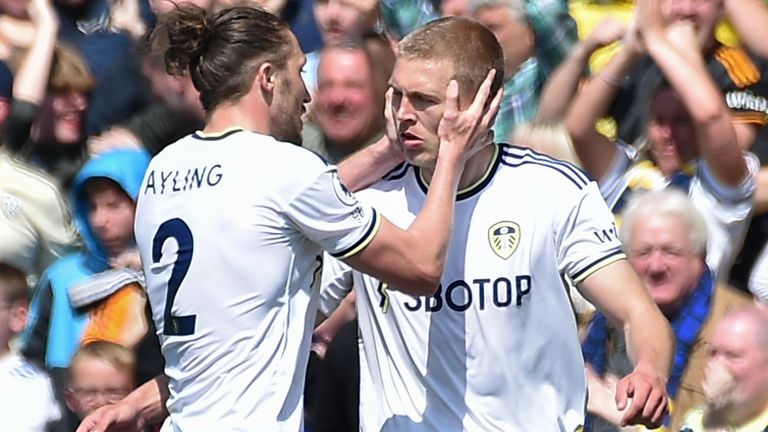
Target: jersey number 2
(178,230)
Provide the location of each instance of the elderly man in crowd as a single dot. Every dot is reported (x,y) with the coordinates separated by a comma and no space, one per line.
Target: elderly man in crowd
(665,239)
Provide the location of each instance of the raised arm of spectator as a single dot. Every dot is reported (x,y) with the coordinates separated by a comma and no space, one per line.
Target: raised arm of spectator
(674,52)
(750,18)
(31,80)
(560,88)
(595,151)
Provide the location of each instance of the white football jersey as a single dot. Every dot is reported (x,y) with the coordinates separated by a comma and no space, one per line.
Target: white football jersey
(230,230)
(496,348)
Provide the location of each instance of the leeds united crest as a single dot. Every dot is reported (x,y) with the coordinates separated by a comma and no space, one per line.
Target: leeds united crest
(504,238)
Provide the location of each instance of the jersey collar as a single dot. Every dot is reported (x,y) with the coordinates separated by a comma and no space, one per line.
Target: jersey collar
(474,187)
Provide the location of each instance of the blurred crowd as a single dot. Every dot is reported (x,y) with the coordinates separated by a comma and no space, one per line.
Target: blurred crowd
(679,156)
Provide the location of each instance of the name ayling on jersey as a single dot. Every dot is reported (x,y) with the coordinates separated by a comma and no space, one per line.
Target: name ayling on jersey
(159,181)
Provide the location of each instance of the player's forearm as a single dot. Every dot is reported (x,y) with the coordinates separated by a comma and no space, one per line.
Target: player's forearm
(149,400)
(430,232)
(369,164)
(650,341)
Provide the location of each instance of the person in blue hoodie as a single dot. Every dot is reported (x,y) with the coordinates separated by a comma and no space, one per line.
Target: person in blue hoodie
(103,202)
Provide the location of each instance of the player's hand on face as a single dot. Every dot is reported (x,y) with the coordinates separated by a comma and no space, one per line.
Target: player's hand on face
(119,417)
(643,398)
(467,131)
(390,128)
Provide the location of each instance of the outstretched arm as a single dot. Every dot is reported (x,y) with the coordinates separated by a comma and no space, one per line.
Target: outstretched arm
(368,165)
(617,292)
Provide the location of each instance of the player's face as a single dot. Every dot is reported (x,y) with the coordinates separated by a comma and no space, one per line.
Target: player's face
(661,253)
(111,215)
(418,102)
(337,20)
(671,132)
(95,383)
(703,14)
(734,348)
(345,103)
(291,96)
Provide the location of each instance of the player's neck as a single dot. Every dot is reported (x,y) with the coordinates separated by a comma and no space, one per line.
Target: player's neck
(230,116)
(474,169)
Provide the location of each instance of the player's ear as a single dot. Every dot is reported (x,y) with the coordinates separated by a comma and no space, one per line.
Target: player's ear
(266,77)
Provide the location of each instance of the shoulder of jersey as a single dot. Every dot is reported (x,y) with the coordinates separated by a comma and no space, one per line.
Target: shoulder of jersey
(243,143)
(27,371)
(542,167)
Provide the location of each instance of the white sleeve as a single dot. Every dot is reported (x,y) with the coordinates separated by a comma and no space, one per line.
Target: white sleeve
(614,183)
(726,210)
(335,284)
(329,215)
(586,235)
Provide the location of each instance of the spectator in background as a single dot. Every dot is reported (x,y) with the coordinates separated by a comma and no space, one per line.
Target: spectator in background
(691,142)
(50,96)
(35,222)
(348,112)
(27,403)
(735,71)
(665,238)
(103,204)
(338,21)
(108,50)
(736,376)
(536,36)
(176,111)
(101,373)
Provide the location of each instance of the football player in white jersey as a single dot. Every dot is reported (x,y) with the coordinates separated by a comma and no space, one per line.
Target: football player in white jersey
(495,348)
(232,220)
